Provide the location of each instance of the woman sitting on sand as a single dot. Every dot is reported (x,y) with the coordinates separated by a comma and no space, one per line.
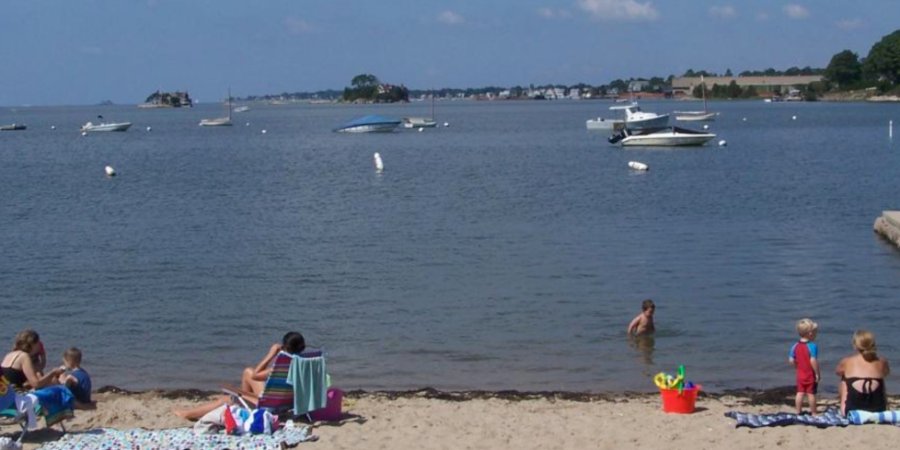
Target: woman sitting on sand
(253,379)
(862,376)
(18,368)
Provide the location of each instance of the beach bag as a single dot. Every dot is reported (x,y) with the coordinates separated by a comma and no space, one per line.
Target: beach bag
(332,410)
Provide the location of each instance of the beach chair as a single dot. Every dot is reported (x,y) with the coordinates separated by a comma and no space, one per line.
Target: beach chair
(278,395)
(13,407)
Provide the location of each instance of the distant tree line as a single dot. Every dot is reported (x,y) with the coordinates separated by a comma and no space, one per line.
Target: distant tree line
(880,69)
(846,71)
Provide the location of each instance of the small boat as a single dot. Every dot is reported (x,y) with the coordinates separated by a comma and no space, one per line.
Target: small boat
(421,122)
(637,119)
(664,136)
(241,109)
(13,127)
(219,121)
(91,127)
(418,122)
(697,116)
(369,124)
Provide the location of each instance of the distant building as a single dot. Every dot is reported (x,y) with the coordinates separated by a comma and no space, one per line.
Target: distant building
(638,85)
(762,84)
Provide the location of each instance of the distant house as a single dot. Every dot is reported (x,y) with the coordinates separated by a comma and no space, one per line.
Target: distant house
(762,84)
(638,85)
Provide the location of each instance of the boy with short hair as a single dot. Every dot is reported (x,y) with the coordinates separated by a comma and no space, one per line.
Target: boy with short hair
(804,356)
(643,322)
(76,378)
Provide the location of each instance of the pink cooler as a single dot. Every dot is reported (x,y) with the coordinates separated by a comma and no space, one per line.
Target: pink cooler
(332,410)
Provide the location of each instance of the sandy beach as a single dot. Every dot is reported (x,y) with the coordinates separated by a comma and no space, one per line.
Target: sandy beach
(432,419)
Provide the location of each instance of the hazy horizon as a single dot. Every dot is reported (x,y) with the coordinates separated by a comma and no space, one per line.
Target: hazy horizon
(86,52)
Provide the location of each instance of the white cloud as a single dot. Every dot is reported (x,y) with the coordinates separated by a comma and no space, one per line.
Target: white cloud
(619,9)
(450,18)
(795,11)
(723,12)
(550,13)
(849,24)
(297,26)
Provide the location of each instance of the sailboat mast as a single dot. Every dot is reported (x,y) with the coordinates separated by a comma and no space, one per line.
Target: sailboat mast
(703,89)
(432,103)
(229,104)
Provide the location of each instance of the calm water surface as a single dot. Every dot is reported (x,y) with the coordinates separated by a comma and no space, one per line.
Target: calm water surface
(507,251)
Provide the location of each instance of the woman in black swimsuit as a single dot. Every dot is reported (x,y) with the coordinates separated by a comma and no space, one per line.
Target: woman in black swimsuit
(18,368)
(862,376)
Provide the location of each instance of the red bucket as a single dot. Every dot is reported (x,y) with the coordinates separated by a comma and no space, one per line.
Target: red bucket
(679,402)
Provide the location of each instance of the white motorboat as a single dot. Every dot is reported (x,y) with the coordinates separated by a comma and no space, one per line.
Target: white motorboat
(219,121)
(604,124)
(242,108)
(664,136)
(369,124)
(697,116)
(91,127)
(637,119)
(418,122)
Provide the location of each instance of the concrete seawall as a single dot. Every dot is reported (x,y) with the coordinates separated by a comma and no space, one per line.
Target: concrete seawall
(888,226)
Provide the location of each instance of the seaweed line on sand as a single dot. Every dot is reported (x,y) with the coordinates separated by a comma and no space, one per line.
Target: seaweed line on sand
(746,396)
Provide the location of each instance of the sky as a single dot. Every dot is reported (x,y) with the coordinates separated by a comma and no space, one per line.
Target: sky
(65,52)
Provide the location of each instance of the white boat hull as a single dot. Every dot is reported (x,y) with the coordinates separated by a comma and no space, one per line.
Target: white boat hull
(220,122)
(662,137)
(418,122)
(371,128)
(698,116)
(92,127)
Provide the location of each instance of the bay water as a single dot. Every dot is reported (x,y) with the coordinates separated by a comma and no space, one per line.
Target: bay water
(508,250)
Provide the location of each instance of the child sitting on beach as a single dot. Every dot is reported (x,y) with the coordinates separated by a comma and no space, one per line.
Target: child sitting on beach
(803,356)
(643,322)
(76,378)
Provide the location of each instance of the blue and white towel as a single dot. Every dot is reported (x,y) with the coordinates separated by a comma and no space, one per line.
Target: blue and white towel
(863,417)
(177,438)
(830,418)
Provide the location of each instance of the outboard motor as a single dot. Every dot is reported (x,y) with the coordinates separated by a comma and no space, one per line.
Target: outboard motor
(615,138)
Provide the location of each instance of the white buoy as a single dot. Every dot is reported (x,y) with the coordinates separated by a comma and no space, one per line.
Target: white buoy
(263,131)
(149,129)
(793,117)
(247,124)
(890,129)
(110,172)
(379,164)
(52,127)
(705,127)
(723,143)
(421,129)
(84,133)
(636,165)
(446,124)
